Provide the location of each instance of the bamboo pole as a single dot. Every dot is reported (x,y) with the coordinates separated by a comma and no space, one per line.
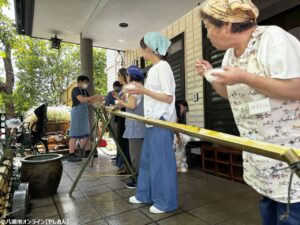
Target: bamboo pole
(88,159)
(101,114)
(104,117)
(269,150)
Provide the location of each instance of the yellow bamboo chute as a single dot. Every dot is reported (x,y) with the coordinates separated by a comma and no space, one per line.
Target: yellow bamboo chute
(289,155)
(283,153)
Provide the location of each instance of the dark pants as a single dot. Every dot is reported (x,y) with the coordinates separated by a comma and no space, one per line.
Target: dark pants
(119,129)
(271,211)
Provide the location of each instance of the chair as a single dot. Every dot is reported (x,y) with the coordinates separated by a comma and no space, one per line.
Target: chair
(37,131)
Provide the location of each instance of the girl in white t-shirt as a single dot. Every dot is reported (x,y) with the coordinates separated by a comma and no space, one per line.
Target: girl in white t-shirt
(157,181)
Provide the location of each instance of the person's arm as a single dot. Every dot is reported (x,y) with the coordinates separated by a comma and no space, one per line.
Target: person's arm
(166,93)
(178,138)
(220,89)
(130,104)
(97,98)
(272,87)
(141,90)
(177,135)
(276,88)
(278,56)
(159,96)
(90,99)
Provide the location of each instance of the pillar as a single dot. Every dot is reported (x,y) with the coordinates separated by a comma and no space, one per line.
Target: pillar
(86,58)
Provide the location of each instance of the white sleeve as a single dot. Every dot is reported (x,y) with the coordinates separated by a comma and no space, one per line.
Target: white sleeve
(225,61)
(279,55)
(166,79)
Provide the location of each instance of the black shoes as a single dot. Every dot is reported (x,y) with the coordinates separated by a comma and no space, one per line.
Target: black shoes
(73,158)
(131,185)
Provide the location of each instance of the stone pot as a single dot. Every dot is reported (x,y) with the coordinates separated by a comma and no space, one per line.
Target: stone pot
(43,172)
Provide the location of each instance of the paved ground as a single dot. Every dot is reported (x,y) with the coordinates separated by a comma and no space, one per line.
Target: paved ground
(102,198)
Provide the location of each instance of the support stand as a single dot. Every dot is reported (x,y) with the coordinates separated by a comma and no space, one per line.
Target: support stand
(101,114)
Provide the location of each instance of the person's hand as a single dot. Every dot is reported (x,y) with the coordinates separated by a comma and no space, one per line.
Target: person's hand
(99,98)
(138,89)
(201,66)
(115,95)
(119,103)
(231,75)
(179,142)
(124,97)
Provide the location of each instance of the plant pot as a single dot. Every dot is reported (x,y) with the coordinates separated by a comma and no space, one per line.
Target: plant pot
(43,172)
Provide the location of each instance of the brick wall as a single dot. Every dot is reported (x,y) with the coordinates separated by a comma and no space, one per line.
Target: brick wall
(191,26)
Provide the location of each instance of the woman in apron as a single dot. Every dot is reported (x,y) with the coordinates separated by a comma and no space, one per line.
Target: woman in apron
(134,130)
(80,126)
(261,80)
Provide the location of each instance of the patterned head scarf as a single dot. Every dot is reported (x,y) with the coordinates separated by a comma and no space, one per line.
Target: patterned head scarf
(158,43)
(231,11)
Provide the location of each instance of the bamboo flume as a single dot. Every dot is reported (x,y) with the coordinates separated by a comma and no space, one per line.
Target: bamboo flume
(283,153)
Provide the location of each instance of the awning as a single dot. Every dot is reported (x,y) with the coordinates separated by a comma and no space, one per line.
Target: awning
(98,19)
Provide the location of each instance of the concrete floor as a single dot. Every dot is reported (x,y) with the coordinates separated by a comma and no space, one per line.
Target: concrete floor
(102,198)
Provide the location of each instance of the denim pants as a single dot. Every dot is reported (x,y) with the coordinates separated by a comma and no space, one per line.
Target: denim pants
(271,211)
(157,180)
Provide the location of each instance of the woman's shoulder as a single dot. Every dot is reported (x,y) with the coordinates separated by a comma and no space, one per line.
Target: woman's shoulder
(274,34)
(272,29)
(275,37)
(164,65)
(160,64)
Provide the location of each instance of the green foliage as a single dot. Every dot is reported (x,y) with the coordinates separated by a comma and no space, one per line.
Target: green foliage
(7,42)
(3,3)
(7,34)
(100,77)
(43,72)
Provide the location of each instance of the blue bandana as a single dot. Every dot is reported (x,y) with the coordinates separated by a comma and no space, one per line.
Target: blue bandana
(135,72)
(158,43)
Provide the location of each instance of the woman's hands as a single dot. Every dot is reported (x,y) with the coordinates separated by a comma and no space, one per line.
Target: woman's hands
(99,98)
(232,75)
(179,142)
(201,66)
(138,89)
(120,103)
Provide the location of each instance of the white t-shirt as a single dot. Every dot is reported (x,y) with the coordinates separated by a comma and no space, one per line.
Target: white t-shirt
(271,52)
(160,79)
(279,53)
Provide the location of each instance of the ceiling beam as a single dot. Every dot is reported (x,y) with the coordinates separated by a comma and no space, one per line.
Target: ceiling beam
(100,5)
